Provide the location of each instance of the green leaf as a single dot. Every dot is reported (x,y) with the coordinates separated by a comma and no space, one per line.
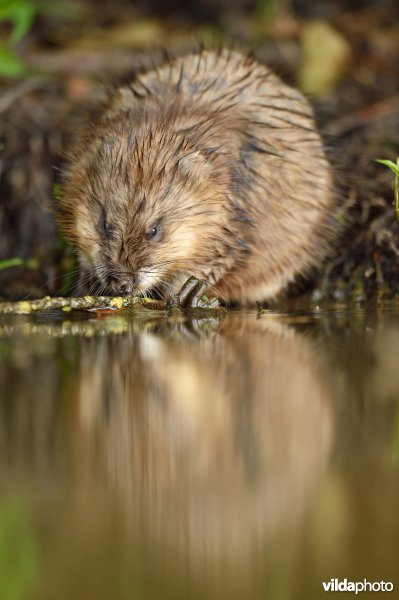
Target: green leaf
(21,14)
(395,168)
(30,263)
(10,64)
(390,164)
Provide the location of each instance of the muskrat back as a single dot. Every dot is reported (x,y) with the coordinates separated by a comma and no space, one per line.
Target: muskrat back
(209,166)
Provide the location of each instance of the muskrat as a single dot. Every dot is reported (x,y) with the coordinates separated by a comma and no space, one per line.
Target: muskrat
(208,165)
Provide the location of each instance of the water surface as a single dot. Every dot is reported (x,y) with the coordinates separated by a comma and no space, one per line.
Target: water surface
(236,456)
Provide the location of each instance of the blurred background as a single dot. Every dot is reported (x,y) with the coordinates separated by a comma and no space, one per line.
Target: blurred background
(58,58)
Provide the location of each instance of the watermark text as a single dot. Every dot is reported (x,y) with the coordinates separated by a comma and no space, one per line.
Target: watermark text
(344,585)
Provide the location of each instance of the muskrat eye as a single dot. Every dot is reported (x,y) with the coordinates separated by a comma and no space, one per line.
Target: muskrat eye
(154,232)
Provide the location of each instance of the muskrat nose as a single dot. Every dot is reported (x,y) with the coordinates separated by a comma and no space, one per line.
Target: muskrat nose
(119,285)
(126,287)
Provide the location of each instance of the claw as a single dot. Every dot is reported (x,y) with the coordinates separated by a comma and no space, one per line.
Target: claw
(191,295)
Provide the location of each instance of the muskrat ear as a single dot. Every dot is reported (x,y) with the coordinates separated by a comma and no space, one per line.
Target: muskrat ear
(121,100)
(193,165)
(125,95)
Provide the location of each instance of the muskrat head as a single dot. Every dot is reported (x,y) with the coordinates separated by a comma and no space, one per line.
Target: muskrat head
(145,210)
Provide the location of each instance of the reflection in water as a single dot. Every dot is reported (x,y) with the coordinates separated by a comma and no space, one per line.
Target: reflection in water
(210,436)
(178,450)
(215,444)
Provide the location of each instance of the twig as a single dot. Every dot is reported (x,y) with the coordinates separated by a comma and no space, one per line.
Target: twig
(26,307)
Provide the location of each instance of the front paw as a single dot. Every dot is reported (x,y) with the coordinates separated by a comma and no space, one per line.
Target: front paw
(191,295)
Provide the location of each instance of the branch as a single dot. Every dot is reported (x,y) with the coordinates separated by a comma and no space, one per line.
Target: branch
(25,307)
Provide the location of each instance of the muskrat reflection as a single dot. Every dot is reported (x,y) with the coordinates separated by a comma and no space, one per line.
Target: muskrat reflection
(214,445)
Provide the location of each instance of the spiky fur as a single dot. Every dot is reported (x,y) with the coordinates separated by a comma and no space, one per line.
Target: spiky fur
(219,156)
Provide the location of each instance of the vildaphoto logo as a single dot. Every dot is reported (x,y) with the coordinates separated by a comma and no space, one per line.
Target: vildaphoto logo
(336,585)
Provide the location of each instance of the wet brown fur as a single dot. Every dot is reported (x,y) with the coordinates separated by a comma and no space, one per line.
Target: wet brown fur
(223,160)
